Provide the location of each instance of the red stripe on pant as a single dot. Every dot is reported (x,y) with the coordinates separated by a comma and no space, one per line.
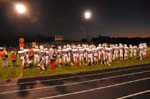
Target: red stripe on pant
(52,64)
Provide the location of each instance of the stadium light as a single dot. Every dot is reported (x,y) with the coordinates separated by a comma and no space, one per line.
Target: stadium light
(87,15)
(20,8)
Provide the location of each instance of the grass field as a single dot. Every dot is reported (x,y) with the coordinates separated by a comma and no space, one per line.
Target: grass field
(13,73)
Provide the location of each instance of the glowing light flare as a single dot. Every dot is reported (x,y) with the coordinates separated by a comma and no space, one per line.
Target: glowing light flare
(20,8)
(87,15)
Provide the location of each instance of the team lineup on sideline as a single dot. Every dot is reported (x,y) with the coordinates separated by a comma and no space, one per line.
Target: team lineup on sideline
(71,54)
(84,54)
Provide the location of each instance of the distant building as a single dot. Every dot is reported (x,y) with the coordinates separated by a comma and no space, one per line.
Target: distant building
(58,38)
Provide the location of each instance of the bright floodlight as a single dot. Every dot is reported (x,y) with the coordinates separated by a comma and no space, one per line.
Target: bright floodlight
(87,15)
(20,8)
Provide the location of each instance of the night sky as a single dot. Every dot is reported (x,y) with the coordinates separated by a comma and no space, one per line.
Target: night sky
(115,18)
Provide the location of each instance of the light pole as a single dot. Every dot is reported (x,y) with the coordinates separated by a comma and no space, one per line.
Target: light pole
(87,17)
(20,10)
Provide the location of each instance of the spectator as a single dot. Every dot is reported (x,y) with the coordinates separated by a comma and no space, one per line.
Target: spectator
(2,56)
(6,57)
(31,57)
(14,58)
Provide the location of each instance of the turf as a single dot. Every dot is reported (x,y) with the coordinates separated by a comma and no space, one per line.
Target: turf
(75,69)
(14,73)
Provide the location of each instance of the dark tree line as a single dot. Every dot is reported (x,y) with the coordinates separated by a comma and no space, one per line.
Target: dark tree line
(100,39)
(124,40)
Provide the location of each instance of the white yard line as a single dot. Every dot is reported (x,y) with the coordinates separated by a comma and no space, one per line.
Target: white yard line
(74,83)
(135,94)
(94,89)
(64,78)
